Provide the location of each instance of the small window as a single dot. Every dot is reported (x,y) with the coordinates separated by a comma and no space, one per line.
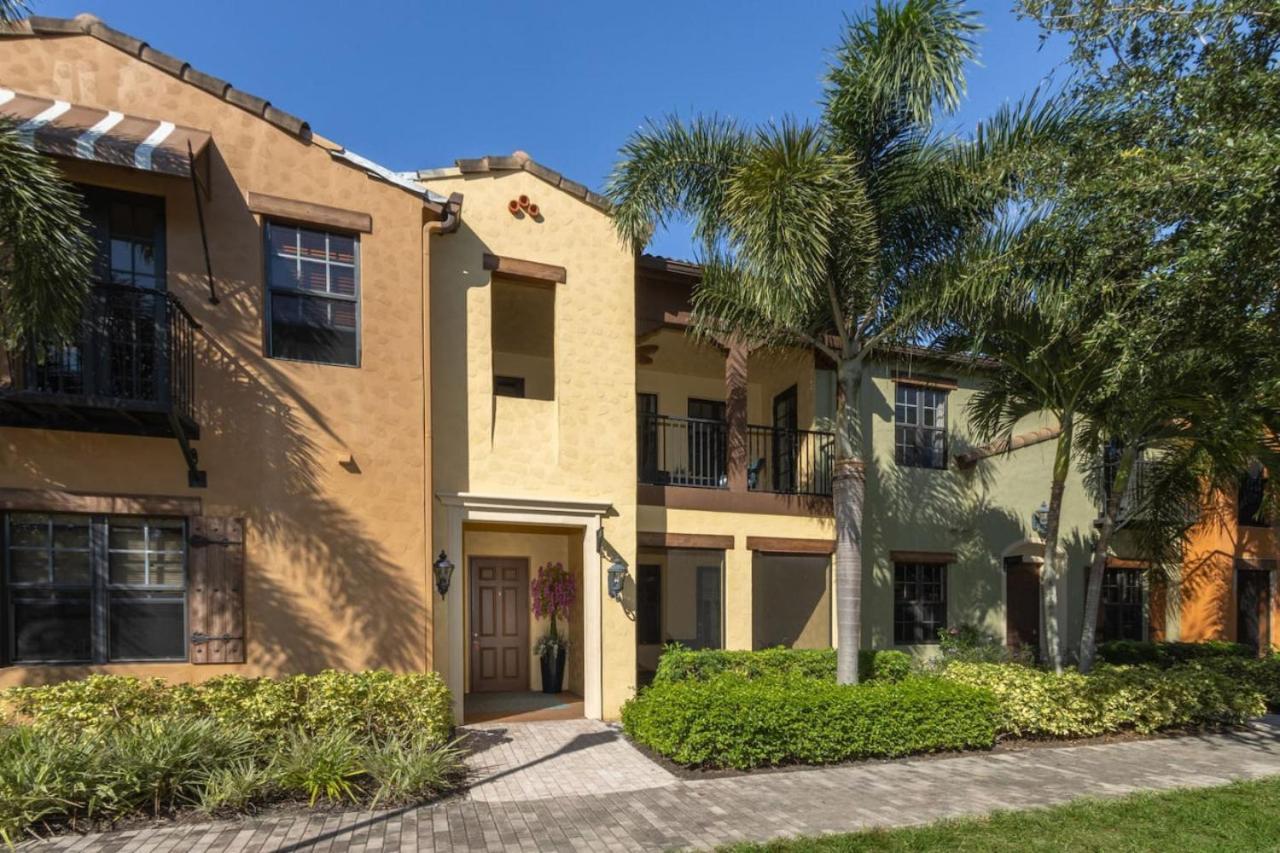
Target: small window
(313,295)
(508,386)
(1122,605)
(919,602)
(523,326)
(920,426)
(71,600)
(1249,503)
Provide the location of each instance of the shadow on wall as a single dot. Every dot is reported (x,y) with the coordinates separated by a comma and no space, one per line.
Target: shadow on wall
(331,595)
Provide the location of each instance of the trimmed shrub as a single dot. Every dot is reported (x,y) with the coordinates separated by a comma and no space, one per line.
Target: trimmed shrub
(1131,652)
(682,664)
(1036,703)
(371,705)
(730,721)
(109,747)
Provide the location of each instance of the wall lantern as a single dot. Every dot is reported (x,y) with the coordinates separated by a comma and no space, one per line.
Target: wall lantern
(617,576)
(1040,520)
(443,570)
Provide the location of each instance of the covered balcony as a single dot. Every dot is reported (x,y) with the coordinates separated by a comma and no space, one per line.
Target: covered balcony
(130,370)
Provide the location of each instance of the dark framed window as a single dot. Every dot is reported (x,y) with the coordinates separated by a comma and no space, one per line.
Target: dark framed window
(94,589)
(919,602)
(1249,501)
(1122,605)
(313,295)
(647,436)
(508,386)
(920,426)
(648,605)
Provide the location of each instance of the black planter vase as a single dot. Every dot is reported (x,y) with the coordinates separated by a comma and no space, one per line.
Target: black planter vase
(553,671)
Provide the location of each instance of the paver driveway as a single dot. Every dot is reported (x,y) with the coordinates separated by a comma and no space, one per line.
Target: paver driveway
(579,786)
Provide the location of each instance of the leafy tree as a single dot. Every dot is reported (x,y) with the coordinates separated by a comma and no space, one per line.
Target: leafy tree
(816,234)
(45,255)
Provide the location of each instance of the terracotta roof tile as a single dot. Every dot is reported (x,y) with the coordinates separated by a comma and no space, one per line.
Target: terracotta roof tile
(515,162)
(92,26)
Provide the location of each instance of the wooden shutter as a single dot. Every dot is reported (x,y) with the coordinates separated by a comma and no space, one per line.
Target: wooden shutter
(216,590)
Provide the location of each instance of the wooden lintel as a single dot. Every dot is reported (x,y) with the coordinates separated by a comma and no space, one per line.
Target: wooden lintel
(684,540)
(922,556)
(924,380)
(787,545)
(55,500)
(525,270)
(306,212)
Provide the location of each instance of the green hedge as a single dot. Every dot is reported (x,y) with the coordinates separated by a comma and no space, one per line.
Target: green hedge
(681,664)
(369,704)
(1037,703)
(1129,652)
(731,721)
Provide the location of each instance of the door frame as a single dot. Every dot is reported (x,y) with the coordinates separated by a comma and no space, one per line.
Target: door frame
(1264,573)
(791,448)
(524,614)
(1020,563)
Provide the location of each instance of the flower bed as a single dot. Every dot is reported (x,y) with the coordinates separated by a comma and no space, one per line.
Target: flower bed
(109,747)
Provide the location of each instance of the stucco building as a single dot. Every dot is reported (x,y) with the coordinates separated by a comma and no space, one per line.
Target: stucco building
(304,379)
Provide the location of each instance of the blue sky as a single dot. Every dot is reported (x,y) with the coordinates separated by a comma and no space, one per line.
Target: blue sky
(420,84)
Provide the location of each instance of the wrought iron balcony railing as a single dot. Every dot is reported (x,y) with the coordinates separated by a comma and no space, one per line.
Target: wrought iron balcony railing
(130,369)
(789,461)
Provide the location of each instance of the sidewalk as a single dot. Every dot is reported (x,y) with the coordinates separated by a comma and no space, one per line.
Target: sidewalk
(578,785)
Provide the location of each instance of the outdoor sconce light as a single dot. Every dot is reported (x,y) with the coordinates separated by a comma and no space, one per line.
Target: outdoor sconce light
(444,572)
(1040,520)
(617,575)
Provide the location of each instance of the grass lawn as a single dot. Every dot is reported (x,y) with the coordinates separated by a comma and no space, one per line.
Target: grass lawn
(1242,816)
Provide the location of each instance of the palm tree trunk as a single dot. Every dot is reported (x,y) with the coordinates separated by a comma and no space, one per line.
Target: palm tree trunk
(848,491)
(1050,637)
(1093,597)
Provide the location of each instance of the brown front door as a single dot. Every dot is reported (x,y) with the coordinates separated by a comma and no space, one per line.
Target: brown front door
(499,624)
(1022,605)
(1253,608)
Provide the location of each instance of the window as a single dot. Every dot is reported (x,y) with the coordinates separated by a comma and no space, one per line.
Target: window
(1122,605)
(92,589)
(522,327)
(920,426)
(919,602)
(1249,505)
(508,386)
(313,295)
(647,438)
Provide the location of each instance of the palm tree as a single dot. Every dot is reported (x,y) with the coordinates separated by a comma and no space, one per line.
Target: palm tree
(1018,302)
(814,234)
(45,255)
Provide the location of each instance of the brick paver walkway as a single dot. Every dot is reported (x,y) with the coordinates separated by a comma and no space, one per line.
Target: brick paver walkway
(579,786)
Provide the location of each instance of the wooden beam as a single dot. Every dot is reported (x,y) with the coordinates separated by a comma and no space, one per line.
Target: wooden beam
(307,212)
(786,545)
(924,380)
(55,500)
(922,556)
(684,540)
(522,270)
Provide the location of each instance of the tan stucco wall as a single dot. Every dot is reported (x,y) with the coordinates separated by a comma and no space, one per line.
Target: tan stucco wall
(579,445)
(336,573)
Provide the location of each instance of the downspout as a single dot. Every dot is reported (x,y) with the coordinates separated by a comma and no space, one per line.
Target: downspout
(447,224)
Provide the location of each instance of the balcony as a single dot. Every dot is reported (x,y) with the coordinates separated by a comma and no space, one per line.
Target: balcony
(1137,504)
(129,371)
(693,452)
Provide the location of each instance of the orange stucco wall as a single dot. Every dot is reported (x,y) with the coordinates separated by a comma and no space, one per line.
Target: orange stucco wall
(336,565)
(1208,599)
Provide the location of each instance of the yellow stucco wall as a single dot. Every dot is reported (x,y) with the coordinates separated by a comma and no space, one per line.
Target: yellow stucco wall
(579,445)
(336,568)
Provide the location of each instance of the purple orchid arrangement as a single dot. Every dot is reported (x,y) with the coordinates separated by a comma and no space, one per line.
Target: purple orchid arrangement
(554,592)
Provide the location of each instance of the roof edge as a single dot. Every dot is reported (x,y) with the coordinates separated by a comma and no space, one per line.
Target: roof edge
(91,25)
(518,161)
